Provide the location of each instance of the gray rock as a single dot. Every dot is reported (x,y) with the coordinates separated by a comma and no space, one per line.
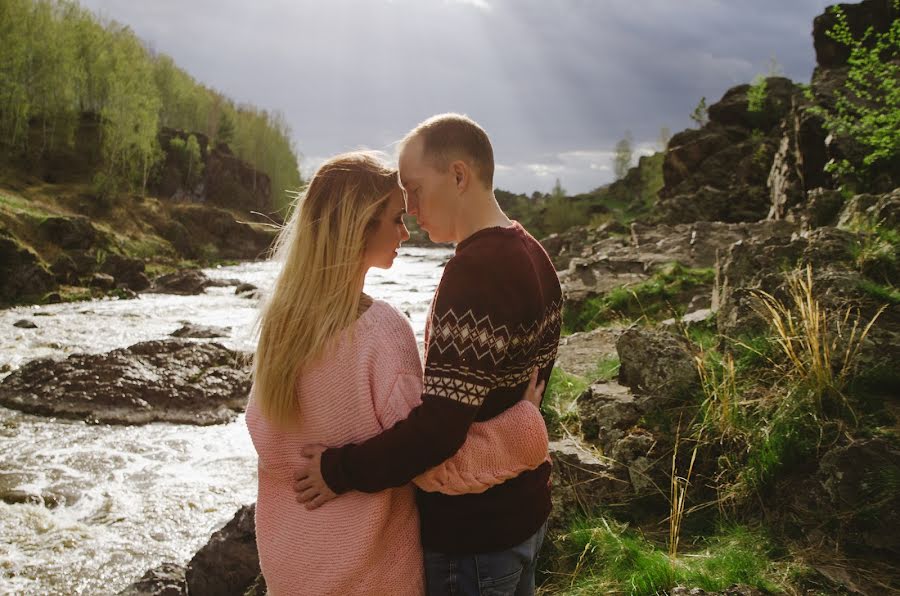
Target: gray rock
(245,288)
(68,232)
(582,482)
(103,281)
(166,580)
(201,331)
(229,563)
(579,353)
(168,381)
(22,276)
(126,271)
(185,283)
(856,484)
(635,452)
(25,324)
(607,411)
(656,362)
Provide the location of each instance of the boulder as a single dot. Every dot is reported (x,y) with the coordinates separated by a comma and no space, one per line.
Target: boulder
(854,494)
(201,331)
(246,290)
(733,108)
(229,563)
(126,271)
(25,324)
(166,580)
(153,381)
(878,14)
(582,483)
(868,210)
(184,283)
(656,362)
(22,276)
(103,281)
(74,232)
(821,208)
(607,411)
(579,353)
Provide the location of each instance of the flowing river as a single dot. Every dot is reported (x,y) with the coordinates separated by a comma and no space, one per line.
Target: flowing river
(87,509)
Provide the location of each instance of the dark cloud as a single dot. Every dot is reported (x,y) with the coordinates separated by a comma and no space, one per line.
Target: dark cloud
(555,83)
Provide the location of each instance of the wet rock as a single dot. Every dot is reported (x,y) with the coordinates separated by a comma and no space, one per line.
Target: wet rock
(168,381)
(166,580)
(224,283)
(201,331)
(103,281)
(184,283)
(656,362)
(229,563)
(248,291)
(25,324)
(68,232)
(127,271)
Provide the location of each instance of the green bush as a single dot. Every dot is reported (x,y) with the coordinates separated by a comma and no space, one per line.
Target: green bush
(867,108)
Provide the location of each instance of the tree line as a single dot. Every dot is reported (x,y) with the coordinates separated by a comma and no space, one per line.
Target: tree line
(58,62)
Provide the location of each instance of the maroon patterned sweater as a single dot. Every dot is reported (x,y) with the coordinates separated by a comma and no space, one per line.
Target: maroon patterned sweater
(495,316)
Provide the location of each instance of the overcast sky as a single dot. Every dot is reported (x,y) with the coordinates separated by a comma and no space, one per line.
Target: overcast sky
(556,83)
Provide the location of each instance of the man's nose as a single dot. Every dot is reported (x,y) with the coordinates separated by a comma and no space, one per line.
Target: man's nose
(412,206)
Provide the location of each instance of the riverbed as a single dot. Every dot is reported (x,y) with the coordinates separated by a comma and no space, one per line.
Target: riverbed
(87,509)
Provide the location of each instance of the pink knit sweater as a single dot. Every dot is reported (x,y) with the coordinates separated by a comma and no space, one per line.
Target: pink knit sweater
(368,543)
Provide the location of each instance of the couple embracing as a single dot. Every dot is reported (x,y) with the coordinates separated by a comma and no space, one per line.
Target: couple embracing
(377,476)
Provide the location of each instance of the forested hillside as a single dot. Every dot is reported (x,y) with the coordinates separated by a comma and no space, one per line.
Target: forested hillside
(65,75)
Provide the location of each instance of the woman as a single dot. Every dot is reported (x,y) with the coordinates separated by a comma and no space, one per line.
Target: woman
(334,366)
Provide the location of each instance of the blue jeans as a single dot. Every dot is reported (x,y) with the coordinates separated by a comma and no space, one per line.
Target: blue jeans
(504,573)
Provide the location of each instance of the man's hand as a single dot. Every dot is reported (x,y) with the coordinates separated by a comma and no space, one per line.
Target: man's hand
(309,485)
(534,392)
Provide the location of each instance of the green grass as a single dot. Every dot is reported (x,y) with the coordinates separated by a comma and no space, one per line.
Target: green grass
(606,369)
(882,293)
(602,556)
(560,406)
(652,299)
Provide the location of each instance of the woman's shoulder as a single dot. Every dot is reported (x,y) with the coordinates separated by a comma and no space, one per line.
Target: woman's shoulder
(384,317)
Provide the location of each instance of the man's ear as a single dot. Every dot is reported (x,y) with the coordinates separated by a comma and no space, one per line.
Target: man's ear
(462,173)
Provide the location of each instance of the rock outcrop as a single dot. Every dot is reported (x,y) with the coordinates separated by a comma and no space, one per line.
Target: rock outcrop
(22,276)
(228,565)
(154,381)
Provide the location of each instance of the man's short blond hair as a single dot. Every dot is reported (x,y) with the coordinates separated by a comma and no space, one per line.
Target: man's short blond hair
(448,137)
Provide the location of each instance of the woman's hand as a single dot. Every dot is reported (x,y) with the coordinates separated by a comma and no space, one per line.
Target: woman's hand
(535,391)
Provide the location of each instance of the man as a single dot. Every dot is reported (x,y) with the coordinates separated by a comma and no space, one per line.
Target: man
(494,318)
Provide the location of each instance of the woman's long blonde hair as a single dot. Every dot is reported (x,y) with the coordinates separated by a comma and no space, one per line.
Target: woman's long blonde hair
(317,292)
